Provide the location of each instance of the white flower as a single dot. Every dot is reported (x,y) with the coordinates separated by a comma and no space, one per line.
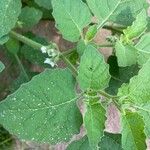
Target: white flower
(43,49)
(49,61)
(51,52)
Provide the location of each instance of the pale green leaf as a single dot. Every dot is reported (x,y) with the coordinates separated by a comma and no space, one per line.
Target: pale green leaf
(43,109)
(44,3)
(94,122)
(137,28)
(1,66)
(133,137)
(126,54)
(93,71)
(139,89)
(9,12)
(69,21)
(143,47)
(82,144)
(91,32)
(30,16)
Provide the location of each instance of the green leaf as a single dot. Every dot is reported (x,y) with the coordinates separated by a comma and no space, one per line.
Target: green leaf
(119,11)
(133,132)
(143,47)
(110,141)
(137,28)
(66,14)
(82,144)
(81,46)
(128,11)
(9,12)
(4,39)
(91,32)
(30,16)
(44,3)
(43,109)
(93,71)
(13,46)
(144,111)
(138,87)
(126,54)
(94,122)
(137,93)
(103,10)
(1,66)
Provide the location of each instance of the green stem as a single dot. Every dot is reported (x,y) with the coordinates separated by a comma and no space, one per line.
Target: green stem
(26,40)
(113,28)
(113,98)
(105,45)
(21,67)
(107,95)
(65,53)
(70,65)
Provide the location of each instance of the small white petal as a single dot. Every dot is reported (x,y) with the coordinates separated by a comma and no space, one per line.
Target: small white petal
(44,49)
(49,61)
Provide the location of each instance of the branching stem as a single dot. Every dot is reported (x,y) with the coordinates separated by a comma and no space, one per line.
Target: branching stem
(113,98)
(38,46)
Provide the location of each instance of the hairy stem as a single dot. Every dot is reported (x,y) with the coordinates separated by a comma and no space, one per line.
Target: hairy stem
(26,40)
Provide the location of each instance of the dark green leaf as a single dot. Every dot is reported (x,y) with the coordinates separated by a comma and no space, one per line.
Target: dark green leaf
(43,109)
(81,144)
(30,16)
(110,141)
(44,3)
(13,46)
